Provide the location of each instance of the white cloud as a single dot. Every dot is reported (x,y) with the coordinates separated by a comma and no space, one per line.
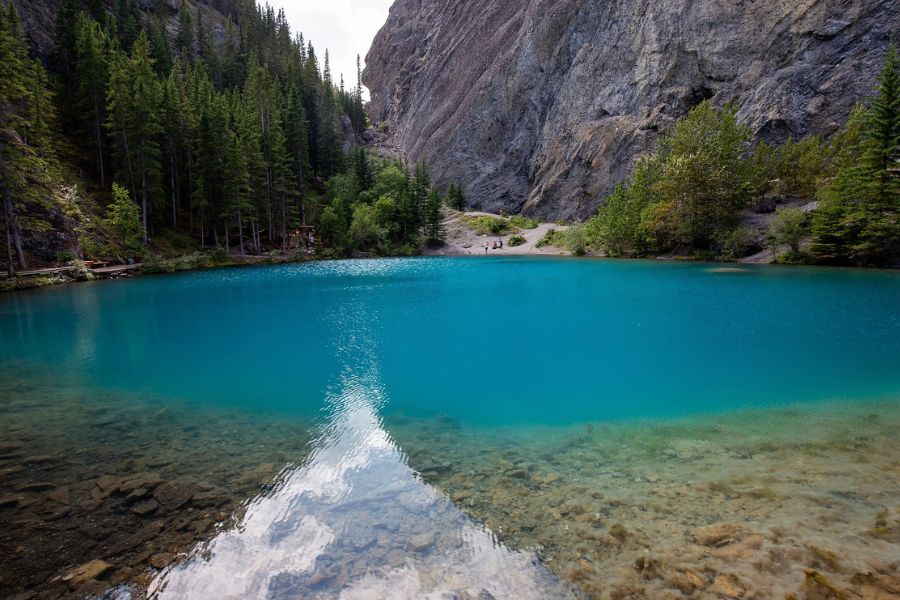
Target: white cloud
(344,27)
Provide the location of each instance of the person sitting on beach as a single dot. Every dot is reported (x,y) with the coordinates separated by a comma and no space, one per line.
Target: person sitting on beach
(501,243)
(494,245)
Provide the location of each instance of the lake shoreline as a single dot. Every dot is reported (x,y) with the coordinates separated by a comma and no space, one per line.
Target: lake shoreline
(40,282)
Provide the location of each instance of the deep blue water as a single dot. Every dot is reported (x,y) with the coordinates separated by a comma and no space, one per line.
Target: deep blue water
(488,341)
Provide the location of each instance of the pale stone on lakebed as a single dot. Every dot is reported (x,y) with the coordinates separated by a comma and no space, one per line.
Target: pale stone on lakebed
(89,570)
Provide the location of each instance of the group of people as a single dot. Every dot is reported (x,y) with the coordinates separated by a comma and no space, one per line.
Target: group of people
(495,245)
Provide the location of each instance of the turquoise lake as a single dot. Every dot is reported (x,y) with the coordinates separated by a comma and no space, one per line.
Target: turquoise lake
(485,399)
(487,341)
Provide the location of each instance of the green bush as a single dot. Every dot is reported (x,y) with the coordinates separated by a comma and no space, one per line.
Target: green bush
(691,189)
(549,239)
(788,227)
(79,271)
(123,220)
(487,225)
(523,222)
(515,240)
(154,263)
(736,243)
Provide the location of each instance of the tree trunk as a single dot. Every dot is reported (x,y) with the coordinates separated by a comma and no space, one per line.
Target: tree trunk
(98,132)
(13,228)
(144,195)
(10,269)
(240,234)
(283,228)
(227,247)
(130,169)
(302,210)
(173,181)
(190,188)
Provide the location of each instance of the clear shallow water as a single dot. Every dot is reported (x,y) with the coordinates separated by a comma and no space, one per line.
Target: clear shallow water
(397,362)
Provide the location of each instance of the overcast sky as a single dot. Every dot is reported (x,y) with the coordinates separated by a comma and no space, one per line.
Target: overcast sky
(344,27)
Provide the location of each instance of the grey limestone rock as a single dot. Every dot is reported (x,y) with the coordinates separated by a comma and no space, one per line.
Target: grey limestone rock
(543,106)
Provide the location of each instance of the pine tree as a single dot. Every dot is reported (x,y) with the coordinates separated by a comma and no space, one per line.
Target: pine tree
(361,168)
(297,144)
(185,39)
(91,67)
(133,118)
(123,220)
(128,23)
(456,198)
(434,219)
(858,221)
(64,53)
(329,150)
(882,153)
(26,121)
(420,186)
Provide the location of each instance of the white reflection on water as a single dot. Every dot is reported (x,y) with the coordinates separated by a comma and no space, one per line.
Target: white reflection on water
(354,521)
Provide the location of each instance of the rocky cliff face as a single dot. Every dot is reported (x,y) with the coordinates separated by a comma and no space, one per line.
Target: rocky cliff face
(543,105)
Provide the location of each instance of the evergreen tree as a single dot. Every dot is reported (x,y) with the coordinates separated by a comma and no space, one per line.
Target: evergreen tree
(419,187)
(26,121)
(91,76)
(361,167)
(434,219)
(858,221)
(128,23)
(329,148)
(64,53)
(133,118)
(123,220)
(456,198)
(297,144)
(185,40)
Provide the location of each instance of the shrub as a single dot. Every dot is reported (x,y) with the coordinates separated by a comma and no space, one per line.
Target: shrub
(575,241)
(79,271)
(789,227)
(736,243)
(549,239)
(154,263)
(123,220)
(515,240)
(523,222)
(487,225)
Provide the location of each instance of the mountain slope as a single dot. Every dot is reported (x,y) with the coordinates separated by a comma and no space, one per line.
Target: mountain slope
(543,105)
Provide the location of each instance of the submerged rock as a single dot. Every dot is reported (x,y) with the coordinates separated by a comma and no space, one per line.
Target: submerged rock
(719,534)
(84,573)
(422,541)
(687,580)
(145,508)
(173,495)
(728,585)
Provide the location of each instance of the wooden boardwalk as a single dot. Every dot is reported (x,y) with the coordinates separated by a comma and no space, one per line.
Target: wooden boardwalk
(97,271)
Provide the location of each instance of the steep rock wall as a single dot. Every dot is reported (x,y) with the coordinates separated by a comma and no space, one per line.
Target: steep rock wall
(543,105)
